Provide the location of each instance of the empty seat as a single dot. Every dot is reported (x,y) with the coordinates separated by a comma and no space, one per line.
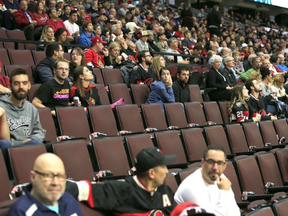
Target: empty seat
(140,93)
(97,72)
(195,114)
(175,115)
(266,211)
(129,118)
(195,94)
(268,132)
(5,60)
(194,143)
(21,57)
(102,120)
(112,76)
(281,128)
(110,155)
(10,68)
(170,180)
(47,123)
(118,91)
(194,77)
(212,112)
(22,159)
(197,68)
(73,122)
(32,91)
(236,138)
(153,116)
(103,94)
(76,159)
(253,135)
(282,158)
(223,105)
(18,35)
(38,56)
(280,207)
(170,143)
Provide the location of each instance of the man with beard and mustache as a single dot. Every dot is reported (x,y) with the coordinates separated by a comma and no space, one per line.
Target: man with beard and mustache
(22,116)
(208,186)
(180,87)
(45,195)
(143,74)
(54,92)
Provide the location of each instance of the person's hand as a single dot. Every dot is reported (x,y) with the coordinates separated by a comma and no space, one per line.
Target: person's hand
(34,22)
(257,118)
(53,112)
(26,140)
(2,112)
(274,117)
(196,59)
(76,33)
(69,39)
(223,183)
(118,59)
(272,94)
(105,52)
(169,83)
(229,88)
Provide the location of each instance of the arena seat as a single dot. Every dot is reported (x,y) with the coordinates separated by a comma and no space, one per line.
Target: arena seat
(98,73)
(5,60)
(195,114)
(21,57)
(17,35)
(281,128)
(195,94)
(212,112)
(223,105)
(140,93)
(103,94)
(153,116)
(47,123)
(175,115)
(112,76)
(32,91)
(38,56)
(118,91)
(10,68)
(4,181)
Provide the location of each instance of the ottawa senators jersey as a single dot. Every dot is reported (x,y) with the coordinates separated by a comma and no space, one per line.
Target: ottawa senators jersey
(239,113)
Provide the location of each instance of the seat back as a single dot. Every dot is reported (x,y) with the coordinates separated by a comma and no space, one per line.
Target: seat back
(195,93)
(280,207)
(267,211)
(130,118)
(173,70)
(97,72)
(22,160)
(118,91)
(194,77)
(186,172)
(194,143)
(281,128)
(195,114)
(21,57)
(110,155)
(216,135)
(18,35)
(102,120)
(38,56)
(47,123)
(253,135)
(171,182)
(140,93)
(27,68)
(154,116)
(5,60)
(268,132)
(112,76)
(212,112)
(282,158)
(236,138)
(170,143)
(76,159)
(32,91)
(224,111)
(73,122)
(4,180)
(103,94)
(175,115)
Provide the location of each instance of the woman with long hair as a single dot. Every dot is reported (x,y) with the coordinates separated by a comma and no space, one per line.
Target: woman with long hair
(78,58)
(40,14)
(277,86)
(158,62)
(238,108)
(46,36)
(61,37)
(113,59)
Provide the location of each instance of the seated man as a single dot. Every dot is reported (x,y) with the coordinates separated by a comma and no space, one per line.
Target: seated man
(173,46)
(180,87)
(46,194)
(94,57)
(54,92)
(208,186)
(22,116)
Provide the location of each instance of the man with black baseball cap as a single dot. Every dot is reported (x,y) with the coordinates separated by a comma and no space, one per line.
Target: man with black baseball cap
(145,193)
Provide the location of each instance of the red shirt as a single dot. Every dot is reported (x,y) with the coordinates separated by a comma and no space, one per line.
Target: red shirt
(56,25)
(41,19)
(94,59)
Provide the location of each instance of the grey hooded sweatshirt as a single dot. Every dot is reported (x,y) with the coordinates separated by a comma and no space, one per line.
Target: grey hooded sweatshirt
(23,121)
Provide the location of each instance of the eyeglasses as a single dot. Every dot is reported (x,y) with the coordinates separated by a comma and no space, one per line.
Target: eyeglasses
(75,54)
(51,176)
(63,69)
(212,162)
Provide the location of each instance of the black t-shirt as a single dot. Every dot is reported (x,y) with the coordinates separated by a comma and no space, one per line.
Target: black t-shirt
(89,99)
(53,94)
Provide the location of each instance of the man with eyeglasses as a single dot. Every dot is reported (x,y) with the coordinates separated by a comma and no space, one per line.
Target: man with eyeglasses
(208,186)
(55,92)
(46,194)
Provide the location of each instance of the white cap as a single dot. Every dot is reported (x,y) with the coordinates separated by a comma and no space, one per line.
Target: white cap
(131,26)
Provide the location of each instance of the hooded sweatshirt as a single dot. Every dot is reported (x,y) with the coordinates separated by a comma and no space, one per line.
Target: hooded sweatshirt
(23,121)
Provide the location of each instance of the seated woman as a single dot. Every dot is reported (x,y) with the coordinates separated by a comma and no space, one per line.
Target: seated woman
(277,86)
(113,59)
(46,36)
(61,37)
(238,108)
(157,63)
(162,91)
(216,80)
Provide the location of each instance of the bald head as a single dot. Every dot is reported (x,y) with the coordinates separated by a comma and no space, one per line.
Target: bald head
(48,161)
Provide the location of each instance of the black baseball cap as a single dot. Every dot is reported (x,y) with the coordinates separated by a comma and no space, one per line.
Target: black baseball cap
(149,158)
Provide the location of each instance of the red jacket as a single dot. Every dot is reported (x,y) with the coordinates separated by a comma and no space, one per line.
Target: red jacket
(94,59)
(56,25)
(21,19)
(41,19)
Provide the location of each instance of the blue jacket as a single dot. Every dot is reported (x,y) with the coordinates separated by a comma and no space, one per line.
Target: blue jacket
(160,94)
(67,206)
(85,39)
(282,67)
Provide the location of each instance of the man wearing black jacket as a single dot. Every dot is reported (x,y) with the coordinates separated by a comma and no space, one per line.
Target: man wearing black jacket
(180,87)
(214,21)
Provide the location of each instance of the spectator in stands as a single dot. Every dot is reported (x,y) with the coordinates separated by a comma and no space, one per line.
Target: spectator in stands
(87,34)
(40,14)
(227,72)
(5,16)
(275,60)
(207,185)
(114,58)
(78,58)
(4,82)
(197,51)
(214,21)
(186,16)
(158,62)
(66,14)
(277,86)
(281,65)
(162,42)
(143,74)
(61,38)
(46,36)
(45,195)
(22,117)
(163,16)
(12,6)
(56,23)
(238,107)
(238,65)
(161,90)
(247,64)
(168,29)
(244,50)
(116,32)
(155,28)
(151,43)
(187,39)
(26,21)
(54,92)
(124,9)
(44,69)
(180,86)
(142,44)
(173,46)
(255,67)
(216,80)
(83,88)
(71,25)
(93,54)
(93,8)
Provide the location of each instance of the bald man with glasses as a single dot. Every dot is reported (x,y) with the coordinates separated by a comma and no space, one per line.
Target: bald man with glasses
(208,186)
(45,195)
